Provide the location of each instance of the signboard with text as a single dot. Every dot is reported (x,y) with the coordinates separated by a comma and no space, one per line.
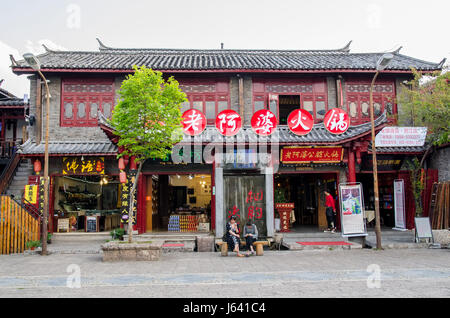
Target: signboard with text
(401,137)
(311,155)
(83,165)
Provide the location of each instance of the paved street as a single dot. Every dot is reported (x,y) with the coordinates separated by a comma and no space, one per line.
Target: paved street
(339,273)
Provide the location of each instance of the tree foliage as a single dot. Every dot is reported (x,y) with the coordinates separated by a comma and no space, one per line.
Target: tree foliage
(428,104)
(147,118)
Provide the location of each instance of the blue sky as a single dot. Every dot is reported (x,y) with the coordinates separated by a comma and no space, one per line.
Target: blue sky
(378,25)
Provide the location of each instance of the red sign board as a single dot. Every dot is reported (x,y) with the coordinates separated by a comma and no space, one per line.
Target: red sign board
(264,122)
(228,122)
(336,121)
(309,154)
(194,122)
(300,122)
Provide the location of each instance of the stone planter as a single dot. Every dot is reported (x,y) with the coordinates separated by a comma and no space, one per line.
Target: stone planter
(136,251)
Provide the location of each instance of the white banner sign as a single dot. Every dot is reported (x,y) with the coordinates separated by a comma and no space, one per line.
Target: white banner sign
(401,137)
(399,200)
(352,213)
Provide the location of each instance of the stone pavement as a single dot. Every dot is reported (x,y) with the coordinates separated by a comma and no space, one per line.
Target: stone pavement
(321,273)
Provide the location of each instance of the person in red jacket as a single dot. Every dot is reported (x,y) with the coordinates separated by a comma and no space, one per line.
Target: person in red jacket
(330,212)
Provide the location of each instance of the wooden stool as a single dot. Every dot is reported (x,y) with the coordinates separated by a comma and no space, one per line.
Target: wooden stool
(223,248)
(260,247)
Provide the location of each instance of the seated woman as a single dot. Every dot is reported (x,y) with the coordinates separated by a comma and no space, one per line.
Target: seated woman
(251,235)
(233,238)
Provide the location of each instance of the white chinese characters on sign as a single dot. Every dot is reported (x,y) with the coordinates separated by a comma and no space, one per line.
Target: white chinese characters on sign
(228,122)
(194,122)
(336,121)
(264,122)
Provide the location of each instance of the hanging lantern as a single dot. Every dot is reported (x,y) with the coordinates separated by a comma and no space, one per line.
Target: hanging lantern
(126,159)
(121,164)
(123,177)
(133,165)
(37,166)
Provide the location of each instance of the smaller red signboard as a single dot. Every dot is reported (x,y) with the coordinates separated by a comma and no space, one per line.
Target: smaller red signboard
(309,154)
(336,121)
(194,122)
(300,122)
(228,122)
(264,122)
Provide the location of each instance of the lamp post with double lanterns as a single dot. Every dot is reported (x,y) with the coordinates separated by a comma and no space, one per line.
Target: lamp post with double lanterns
(34,63)
(382,63)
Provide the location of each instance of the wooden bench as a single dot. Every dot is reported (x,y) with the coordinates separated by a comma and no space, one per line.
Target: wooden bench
(258,244)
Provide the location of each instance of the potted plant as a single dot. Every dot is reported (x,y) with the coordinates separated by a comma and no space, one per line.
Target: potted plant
(117,234)
(33,244)
(49,238)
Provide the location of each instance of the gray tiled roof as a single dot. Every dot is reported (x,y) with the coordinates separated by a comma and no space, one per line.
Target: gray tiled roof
(12,102)
(400,149)
(223,59)
(68,147)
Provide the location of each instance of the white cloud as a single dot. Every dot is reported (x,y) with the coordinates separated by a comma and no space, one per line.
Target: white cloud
(18,85)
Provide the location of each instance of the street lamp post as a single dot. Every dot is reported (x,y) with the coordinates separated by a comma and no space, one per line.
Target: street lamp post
(381,65)
(34,63)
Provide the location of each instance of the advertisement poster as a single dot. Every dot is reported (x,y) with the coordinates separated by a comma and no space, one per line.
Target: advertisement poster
(399,201)
(352,205)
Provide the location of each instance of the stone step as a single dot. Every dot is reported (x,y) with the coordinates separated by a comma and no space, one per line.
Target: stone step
(294,246)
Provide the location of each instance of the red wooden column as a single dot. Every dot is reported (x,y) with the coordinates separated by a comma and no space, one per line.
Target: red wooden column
(351,165)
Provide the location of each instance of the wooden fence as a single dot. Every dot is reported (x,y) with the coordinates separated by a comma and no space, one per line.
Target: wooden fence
(440,206)
(17,226)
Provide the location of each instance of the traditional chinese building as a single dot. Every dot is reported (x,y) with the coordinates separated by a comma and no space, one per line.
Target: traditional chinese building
(230,167)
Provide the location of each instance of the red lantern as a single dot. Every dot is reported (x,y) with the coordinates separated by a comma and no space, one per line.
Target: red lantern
(121,164)
(37,166)
(133,165)
(336,121)
(194,122)
(228,122)
(123,177)
(300,122)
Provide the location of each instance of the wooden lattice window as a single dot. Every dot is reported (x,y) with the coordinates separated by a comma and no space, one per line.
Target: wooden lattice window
(81,99)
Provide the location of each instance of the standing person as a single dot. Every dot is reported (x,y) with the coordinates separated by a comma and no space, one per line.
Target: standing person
(330,212)
(233,238)
(251,235)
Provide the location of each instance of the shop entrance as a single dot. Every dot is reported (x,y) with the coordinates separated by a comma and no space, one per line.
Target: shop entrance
(178,202)
(86,203)
(306,192)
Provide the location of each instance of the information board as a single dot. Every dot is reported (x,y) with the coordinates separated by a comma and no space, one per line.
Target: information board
(423,229)
(352,209)
(399,204)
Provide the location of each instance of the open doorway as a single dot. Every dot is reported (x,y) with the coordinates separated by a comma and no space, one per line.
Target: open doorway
(287,104)
(306,191)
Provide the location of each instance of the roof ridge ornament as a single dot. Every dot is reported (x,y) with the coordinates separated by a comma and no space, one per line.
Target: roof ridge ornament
(47,50)
(102,46)
(346,48)
(13,60)
(441,63)
(397,50)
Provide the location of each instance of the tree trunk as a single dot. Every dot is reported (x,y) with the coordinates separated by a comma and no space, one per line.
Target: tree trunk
(130,208)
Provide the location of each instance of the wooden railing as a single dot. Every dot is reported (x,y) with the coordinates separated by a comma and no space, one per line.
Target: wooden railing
(17,226)
(8,173)
(8,147)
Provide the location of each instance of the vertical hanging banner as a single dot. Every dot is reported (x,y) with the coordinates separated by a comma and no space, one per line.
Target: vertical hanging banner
(125,198)
(399,205)
(352,213)
(41,195)
(31,193)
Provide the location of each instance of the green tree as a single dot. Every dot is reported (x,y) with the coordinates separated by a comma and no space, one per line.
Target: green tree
(147,120)
(425,102)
